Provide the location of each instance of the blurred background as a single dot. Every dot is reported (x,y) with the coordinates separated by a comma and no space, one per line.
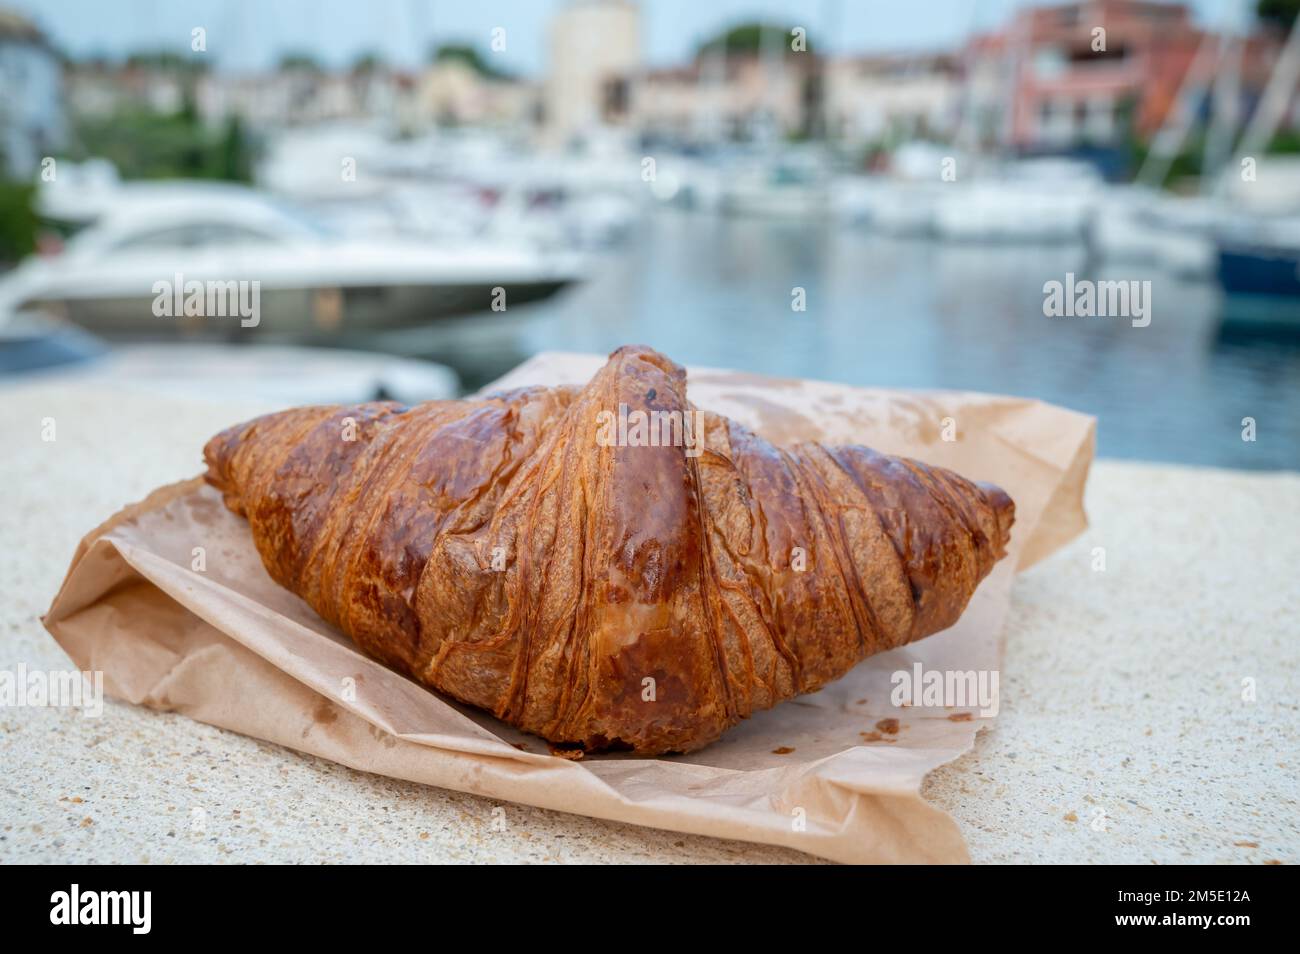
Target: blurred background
(307,202)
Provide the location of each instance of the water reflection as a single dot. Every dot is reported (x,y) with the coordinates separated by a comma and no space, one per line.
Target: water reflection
(914,313)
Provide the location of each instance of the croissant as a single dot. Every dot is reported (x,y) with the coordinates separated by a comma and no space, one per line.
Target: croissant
(606,567)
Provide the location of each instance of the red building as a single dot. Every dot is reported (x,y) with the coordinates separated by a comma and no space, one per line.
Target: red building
(1087,73)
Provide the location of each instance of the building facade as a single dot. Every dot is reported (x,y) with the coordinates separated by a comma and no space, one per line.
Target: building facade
(876,98)
(32,123)
(594,51)
(1092,72)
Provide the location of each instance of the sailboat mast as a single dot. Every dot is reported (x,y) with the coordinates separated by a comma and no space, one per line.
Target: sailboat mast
(1277,96)
(1224,105)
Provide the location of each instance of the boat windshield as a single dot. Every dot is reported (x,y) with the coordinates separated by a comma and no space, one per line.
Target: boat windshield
(307,219)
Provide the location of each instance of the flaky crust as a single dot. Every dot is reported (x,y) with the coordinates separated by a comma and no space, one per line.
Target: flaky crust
(504,552)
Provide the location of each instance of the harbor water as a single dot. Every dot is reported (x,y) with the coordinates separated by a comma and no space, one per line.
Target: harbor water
(917,313)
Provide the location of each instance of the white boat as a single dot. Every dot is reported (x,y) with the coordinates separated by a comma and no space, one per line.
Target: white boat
(457,185)
(83,193)
(688,182)
(887,204)
(1033,200)
(1179,234)
(1132,225)
(786,186)
(135,271)
(541,203)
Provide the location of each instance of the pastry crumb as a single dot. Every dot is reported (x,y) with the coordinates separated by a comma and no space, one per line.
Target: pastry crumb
(573,755)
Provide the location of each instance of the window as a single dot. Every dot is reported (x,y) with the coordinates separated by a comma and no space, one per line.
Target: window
(193,236)
(1049,62)
(614,96)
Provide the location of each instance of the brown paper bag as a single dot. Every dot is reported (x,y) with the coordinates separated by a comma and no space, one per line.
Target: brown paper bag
(170,600)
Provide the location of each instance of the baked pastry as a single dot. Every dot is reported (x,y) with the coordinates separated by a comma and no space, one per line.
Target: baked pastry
(600,581)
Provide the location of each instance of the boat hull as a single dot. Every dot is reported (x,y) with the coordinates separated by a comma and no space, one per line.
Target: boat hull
(301,314)
(775,203)
(1261,287)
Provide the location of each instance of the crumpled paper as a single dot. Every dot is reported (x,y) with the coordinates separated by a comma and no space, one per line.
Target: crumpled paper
(216,639)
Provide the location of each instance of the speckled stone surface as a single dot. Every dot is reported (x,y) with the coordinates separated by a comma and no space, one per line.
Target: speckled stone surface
(1124,735)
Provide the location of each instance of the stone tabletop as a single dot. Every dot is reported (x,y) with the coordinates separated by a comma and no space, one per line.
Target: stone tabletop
(1149,708)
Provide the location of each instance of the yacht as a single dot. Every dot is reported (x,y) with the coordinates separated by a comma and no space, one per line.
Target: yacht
(197,262)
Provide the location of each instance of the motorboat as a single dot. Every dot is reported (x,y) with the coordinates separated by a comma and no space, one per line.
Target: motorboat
(85,192)
(198,262)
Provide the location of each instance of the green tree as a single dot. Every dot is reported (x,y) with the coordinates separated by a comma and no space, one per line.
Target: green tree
(368,62)
(148,145)
(18,223)
(1280,13)
(167,61)
(471,57)
(299,62)
(753,37)
(235,160)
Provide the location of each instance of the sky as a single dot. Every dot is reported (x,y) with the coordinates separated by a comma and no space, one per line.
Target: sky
(252,34)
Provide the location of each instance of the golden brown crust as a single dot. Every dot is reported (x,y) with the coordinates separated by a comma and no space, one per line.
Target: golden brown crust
(607,596)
